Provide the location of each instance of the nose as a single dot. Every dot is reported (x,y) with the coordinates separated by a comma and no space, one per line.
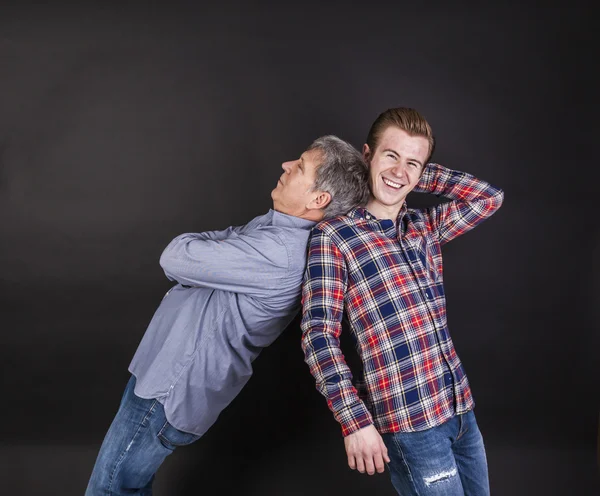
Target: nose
(400,170)
(287,166)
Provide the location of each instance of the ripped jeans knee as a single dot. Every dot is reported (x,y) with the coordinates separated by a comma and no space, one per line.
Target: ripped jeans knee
(443,477)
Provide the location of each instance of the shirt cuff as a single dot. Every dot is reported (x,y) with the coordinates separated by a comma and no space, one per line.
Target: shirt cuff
(424,185)
(354,418)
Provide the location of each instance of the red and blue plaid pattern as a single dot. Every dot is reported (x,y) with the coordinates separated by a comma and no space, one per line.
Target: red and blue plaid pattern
(387,277)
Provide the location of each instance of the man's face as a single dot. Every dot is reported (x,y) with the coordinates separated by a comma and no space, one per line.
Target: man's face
(395,167)
(293,195)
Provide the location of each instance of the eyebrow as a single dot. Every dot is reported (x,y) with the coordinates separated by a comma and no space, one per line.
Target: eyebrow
(398,155)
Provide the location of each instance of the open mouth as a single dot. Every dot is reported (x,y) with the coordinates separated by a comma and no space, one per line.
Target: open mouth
(391,184)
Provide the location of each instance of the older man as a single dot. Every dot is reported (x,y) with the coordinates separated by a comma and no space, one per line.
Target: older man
(236,291)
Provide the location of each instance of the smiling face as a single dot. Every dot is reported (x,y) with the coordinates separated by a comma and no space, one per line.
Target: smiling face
(294,194)
(395,168)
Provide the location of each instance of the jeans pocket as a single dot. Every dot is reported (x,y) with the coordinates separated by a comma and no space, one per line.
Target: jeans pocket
(171,438)
(467,422)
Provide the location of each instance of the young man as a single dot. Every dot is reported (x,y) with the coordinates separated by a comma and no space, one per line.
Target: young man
(382,265)
(236,292)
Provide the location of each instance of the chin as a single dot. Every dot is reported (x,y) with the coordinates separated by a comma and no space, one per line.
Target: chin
(391,200)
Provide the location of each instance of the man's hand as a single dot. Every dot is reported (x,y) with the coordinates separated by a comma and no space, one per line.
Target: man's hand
(365,450)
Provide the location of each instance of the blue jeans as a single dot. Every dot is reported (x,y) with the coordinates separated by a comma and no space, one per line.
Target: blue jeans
(137,442)
(445,460)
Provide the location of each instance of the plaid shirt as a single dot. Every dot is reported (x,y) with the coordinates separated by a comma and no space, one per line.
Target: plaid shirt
(387,277)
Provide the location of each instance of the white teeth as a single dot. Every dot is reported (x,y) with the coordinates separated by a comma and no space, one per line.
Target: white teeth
(392,184)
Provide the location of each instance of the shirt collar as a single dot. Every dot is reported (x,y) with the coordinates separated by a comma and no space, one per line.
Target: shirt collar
(363,213)
(285,220)
(390,229)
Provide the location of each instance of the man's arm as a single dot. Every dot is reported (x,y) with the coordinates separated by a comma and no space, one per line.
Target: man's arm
(251,263)
(472,200)
(217,235)
(323,304)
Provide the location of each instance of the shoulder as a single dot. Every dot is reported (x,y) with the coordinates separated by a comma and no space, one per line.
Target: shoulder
(285,242)
(285,235)
(341,226)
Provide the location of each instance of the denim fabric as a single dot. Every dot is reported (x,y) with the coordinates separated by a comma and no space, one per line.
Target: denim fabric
(445,460)
(136,444)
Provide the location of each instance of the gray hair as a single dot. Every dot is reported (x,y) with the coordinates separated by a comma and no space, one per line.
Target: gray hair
(343,174)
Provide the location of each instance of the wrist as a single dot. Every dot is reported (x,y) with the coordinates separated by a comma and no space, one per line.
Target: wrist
(356,424)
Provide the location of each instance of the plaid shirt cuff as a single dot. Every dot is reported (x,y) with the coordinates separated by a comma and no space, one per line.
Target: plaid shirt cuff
(354,418)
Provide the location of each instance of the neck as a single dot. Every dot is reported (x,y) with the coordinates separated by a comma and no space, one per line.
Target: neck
(306,214)
(383,211)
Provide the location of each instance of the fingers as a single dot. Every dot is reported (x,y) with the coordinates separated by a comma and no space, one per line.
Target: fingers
(379,465)
(360,464)
(366,451)
(370,466)
(384,452)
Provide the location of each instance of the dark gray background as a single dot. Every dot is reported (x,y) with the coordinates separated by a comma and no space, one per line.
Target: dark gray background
(123,126)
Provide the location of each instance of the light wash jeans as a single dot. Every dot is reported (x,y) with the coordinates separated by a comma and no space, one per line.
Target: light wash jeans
(445,460)
(137,442)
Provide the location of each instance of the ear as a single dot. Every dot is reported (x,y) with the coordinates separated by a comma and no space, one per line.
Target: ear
(366,151)
(320,202)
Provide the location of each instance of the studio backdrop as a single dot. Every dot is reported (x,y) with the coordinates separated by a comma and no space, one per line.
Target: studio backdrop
(123,126)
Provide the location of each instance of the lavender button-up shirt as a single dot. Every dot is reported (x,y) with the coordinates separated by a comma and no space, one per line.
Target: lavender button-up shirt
(197,352)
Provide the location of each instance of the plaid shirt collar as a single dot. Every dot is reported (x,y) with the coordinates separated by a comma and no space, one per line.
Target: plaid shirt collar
(385,225)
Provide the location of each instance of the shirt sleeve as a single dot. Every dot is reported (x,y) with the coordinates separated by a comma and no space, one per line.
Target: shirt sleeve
(218,235)
(323,291)
(252,262)
(472,200)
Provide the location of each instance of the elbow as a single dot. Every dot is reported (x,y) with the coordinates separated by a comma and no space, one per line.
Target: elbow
(493,199)
(165,260)
(166,264)
(493,203)
(168,257)
(169,261)
(499,198)
(305,343)
(177,264)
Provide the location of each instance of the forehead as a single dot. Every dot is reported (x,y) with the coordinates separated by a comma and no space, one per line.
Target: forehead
(394,138)
(312,158)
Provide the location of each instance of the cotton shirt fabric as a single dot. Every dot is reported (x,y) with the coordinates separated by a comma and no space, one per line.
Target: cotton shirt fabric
(236,291)
(387,276)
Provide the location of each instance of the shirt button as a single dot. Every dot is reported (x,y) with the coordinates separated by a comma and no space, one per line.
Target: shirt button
(368,216)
